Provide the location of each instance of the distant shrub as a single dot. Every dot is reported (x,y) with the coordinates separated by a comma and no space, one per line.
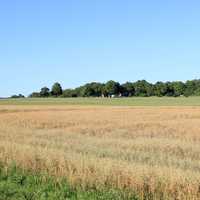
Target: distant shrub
(17,96)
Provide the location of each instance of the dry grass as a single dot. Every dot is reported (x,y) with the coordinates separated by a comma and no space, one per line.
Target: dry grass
(153,151)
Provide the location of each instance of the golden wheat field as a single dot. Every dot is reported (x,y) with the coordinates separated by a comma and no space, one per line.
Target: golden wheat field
(150,150)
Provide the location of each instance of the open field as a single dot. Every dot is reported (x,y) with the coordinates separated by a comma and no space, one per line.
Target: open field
(153,151)
(132,101)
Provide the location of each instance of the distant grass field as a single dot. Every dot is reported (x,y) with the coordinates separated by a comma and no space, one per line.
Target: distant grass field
(134,101)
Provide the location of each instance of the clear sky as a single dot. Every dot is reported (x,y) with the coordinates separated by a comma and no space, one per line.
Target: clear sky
(79,41)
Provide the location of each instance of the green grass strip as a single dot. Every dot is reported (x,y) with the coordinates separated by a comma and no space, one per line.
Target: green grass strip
(15,184)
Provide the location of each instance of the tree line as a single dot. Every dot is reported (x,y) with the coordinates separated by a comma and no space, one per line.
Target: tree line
(140,88)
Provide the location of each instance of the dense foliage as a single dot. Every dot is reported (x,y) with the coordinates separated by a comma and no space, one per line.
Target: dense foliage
(140,88)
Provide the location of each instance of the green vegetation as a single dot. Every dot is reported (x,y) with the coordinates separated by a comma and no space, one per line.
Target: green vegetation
(131,101)
(17,96)
(140,88)
(16,184)
(56,90)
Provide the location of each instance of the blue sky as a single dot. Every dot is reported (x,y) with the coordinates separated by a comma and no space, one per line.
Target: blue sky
(79,41)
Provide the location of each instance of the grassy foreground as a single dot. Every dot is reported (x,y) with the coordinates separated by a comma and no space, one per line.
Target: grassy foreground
(134,101)
(16,184)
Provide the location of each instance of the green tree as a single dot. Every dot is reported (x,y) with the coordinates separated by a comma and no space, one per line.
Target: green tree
(92,90)
(98,88)
(45,92)
(189,88)
(69,93)
(80,91)
(104,91)
(56,90)
(160,89)
(169,89)
(143,88)
(112,88)
(127,89)
(17,96)
(178,87)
